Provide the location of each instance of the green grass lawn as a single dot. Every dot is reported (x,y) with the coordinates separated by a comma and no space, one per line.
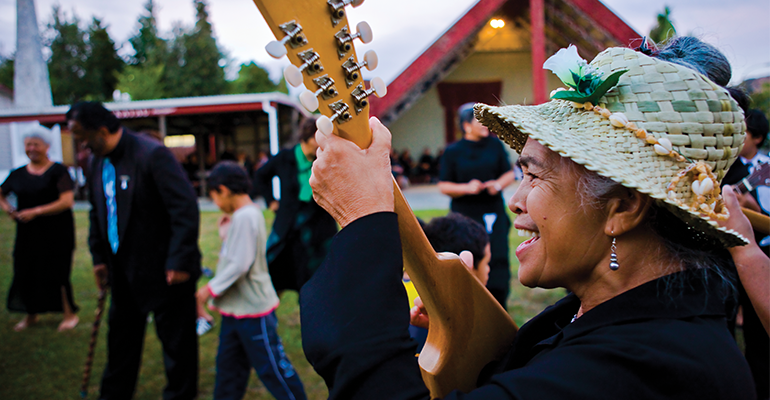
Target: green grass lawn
(41,363)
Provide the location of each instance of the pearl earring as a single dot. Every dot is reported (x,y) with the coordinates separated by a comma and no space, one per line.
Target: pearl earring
(613,256)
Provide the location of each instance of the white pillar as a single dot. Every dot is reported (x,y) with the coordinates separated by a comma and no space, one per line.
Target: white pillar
(272,124)
(31,85)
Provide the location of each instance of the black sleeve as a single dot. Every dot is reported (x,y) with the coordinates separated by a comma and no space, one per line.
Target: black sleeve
(354,314)
(181,203)
(264,178)
(64,182)
(96,243)
(446,170)
(7,186)
(355,317)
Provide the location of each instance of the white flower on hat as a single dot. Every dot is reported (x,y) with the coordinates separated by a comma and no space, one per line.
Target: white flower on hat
(565,64)
(585,79)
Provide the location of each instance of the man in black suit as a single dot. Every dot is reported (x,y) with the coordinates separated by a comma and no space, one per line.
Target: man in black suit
(302,230)
(144,238)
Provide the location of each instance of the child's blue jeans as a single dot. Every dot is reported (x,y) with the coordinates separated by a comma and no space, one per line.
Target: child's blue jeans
(253,342)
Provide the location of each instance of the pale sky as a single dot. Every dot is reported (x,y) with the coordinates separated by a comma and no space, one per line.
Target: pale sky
(403,28)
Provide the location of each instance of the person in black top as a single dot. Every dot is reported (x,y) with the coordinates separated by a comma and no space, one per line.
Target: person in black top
(302,230)
(646,315)
(45,235)
(474,171)
(143,238)
(758,199)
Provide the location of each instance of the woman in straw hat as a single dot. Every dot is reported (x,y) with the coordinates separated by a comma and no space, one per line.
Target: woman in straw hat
(620,199)
(45,234)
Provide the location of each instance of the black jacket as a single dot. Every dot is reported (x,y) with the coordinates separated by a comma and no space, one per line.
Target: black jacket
(158,221)
(642,344)
(284,166)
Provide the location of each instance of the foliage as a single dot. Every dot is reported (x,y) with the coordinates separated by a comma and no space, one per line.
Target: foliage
(66,66)
(6,71)
(143,78)
(149,48)
(664,30)
(102,62)
(761,101)
(197,56)
(142,82)
(254,79)
(83,64)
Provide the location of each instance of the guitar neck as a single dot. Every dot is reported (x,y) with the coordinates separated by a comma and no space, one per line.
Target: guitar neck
(743,186)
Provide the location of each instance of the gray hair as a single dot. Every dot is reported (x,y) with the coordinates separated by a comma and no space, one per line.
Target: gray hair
(38,132)
(697,55)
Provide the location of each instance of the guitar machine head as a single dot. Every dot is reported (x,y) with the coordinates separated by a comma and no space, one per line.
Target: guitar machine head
(323,58)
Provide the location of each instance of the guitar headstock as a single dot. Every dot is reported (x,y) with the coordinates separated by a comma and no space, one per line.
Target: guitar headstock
(318,40)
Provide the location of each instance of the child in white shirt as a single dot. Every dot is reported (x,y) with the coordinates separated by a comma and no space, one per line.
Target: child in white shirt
(243,293)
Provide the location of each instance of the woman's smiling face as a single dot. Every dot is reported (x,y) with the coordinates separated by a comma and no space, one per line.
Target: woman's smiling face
(35,149)
(568,239)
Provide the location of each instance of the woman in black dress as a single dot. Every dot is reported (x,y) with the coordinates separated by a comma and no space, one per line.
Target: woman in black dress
(473,172)
(45,235)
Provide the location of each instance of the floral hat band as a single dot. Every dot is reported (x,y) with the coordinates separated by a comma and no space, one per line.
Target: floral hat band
(648,124)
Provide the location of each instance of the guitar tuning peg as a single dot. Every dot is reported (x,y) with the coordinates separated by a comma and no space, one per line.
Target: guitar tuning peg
(370,60)
(293,76)
(341,115)
(311,63)
(364,31)
(380,89)
(277,48)
(325,88)
(352,68)
(325,125)
(345,39)
(309,100)
(338,8)
(377,87)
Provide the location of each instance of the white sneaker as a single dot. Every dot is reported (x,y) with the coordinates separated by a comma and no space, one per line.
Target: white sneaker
(203,325)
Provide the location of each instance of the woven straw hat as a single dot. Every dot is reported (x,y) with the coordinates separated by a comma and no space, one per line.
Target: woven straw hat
(663,100)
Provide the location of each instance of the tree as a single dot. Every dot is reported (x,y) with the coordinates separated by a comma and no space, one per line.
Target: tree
(665,28)
(102,63)
(760,100)
(66,66)
(6,71)
(253,79)
(149,48)
(198,58)
(142,82)
(143,78)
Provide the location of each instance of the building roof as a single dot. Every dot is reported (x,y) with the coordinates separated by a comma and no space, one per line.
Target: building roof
(588,24)
(153,108)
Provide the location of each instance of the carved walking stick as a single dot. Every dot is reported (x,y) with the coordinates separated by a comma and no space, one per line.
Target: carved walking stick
(92,342)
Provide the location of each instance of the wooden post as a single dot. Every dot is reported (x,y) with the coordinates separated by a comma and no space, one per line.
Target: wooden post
(162,126)
(537,19)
